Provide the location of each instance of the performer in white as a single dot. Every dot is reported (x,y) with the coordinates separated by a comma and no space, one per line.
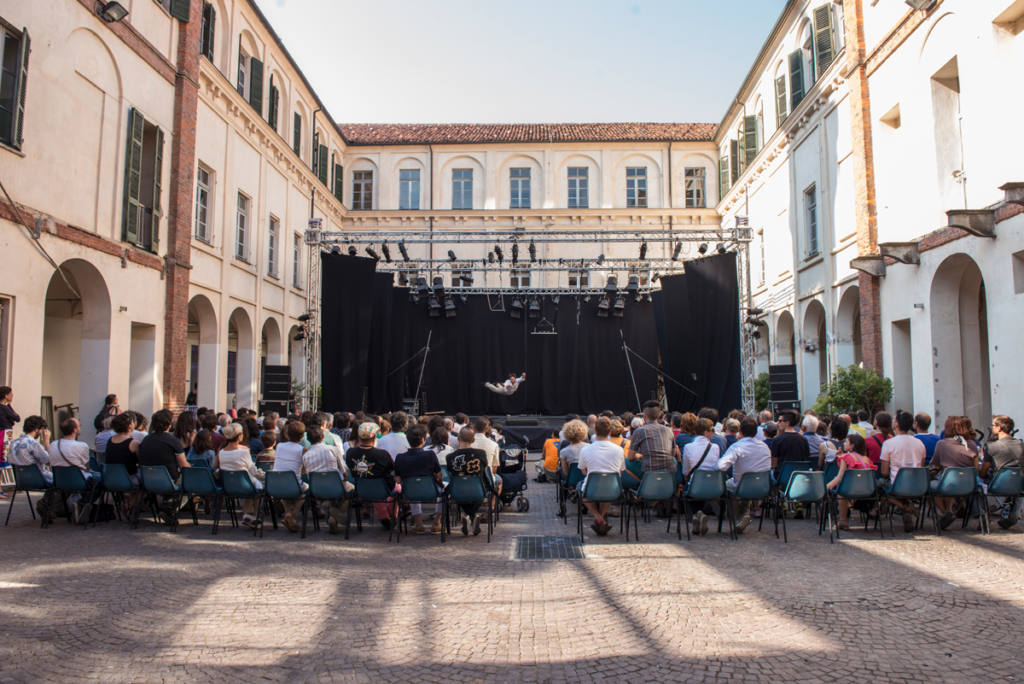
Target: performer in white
(509,387)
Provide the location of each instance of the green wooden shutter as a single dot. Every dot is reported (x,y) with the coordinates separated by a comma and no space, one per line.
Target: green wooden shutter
(256,85)
(158,165)
(780,101)
(796,78)
(751,144)
(315,161)
(297,134)
(339,181)
(132,178)
(734,157)
(723,176)
(18,125)
(321,171)
(273,99)
(209,23)
(180,9)
(824,39)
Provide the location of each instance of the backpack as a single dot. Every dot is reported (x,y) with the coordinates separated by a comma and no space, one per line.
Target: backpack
(50,506)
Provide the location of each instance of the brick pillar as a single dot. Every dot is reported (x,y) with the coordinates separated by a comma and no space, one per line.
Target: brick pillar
(177,261)
(864,181)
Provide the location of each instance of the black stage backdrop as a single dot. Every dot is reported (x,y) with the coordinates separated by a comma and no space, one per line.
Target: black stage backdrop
(369,332)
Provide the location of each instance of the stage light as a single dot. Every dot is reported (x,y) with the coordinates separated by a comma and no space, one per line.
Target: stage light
(600,259)
(490,257)
(754,311)
(586,298)
(703,248)
(335,250)
(351,250)
(303,318)
(387,251)
(421,286)
(402,278)
(451,255)
(373,254)
(634,284)
(299,336)
(656,277)
(438,284)
(401,248)
(497,253)
(720,248)
(434,307)
(676,250)
(603,306)
(620,306)
(516,308)
(554,299)
(612,285)
(463,298)
(467,278)
(515,253)
(643,250)
(449,307)
(533,310)
(533,251)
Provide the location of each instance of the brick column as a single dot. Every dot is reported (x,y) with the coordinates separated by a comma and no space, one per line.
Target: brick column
(177,261)
(863,180)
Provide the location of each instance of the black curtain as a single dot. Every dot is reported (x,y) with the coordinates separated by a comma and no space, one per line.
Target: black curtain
(701,344)
(374,338)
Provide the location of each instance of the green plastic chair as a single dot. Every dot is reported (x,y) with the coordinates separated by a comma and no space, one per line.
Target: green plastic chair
(70,480)
(566,484)
(156,481)
(238,486)
(705,485)
(960,483)
(653,487)
(282,485)
(755,487)
(910,484)
(368,490)
(421,490)
(26,479)
(857,485)
(600,488)
(1007,482)
(466,489)
(808,487)
(118,483)
(325,486)
(199,482)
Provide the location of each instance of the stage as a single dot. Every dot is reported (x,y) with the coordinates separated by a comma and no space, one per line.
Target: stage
(529,431)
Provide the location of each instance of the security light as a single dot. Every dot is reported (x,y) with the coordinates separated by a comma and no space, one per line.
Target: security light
(111,12)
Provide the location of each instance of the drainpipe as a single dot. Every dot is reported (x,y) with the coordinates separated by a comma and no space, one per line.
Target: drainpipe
(430,247)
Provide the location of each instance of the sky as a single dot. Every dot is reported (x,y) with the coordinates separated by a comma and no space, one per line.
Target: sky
(539,61)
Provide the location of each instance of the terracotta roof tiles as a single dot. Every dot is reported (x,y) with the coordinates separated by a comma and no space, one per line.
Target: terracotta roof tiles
(460,133)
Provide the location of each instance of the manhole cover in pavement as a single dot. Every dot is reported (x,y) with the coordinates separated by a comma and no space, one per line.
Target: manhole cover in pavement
(549,548)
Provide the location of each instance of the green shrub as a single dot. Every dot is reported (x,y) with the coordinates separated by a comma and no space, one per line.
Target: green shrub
(854,388)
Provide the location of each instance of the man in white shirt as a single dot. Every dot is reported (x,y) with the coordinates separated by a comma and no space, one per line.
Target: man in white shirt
(509,387)
(747,455)
(31,447)
(68,451)
(395,442)
(602,456)
(489,447)
(902,450)
(701,454)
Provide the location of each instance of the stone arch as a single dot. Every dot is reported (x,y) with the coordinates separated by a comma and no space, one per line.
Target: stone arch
(785,344)
(203,349)
(222,36)
(959,321)
(518,161)
(76,341)
(250,44)
(847,327)
(695,160)
(94,61)
(814,350)
(271,347)
(241,360)
(462,161)
(284,121)
(296,354)
(594,184)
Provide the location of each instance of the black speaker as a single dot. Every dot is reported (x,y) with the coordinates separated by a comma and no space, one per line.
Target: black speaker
(782,384)
(277,383)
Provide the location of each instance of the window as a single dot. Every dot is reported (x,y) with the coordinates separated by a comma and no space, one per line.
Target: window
(140,220)
(319,158)
(824,40)
(723,174)
(297,134)
(273,104)
(242,84)
(811,215)
(519,277)
(796,79)
(579,278)
(13,77)
(751,140)
(462,188)
(519,182)
(272,241)
(297,261)
(339,180)
(250,80)
(242,228)
(176,8)
(636,186)
(206,40)
(409,189)
(781,110)
(578,177)
(362,190)
(204,194)
(693,187)
(232,371)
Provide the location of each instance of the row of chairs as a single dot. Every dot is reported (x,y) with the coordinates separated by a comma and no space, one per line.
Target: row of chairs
(797,484)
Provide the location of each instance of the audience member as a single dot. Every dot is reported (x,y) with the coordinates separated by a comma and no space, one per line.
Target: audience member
(548,467)
(236,456)
(322,458)
(748,455)
(882,432)
(1003,451)
(958,449)
(419,462)
(31,447)
(395,441)
(830,448)
(161,448)
(575,432)
(652,443)
(601,456)
(788,444)
(922,423)
(863,426)
(701,454)
(902,451)
(730,430)
(470,461)
(367,460)
(854,457)
(809,424)
(8,417)
(109,410)
(288,457)
(201,452)
(122,448)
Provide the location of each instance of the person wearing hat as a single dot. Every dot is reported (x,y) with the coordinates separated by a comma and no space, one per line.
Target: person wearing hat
(365,460)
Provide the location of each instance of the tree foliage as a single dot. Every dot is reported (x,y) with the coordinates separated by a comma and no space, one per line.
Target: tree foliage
(762,392)
(854,388)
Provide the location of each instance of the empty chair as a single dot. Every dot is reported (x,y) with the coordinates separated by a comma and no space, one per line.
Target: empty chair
(199,482)
(654,487)
(156,481)
(808,487)
(566,484)
(27,478)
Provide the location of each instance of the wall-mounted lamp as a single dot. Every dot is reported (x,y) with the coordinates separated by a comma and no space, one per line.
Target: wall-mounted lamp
(919,305)
(111,12)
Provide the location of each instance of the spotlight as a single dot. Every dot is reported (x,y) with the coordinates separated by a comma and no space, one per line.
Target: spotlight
(554,299)
(612,285)
(387,251)
(335,250)
(434,307)
(401,248)
(421,286)
(490,257)
(451,255)
(438,284)
(351,250)
(720,248)
(533,251)
(534,309)
(620,306)
(754,311)
(112,12)
(516,308)
(467,278)
(656,277)
(633,285)
(600,259)
(676,250)
(299,336)
(497,252)
(643,250)
(515,253)
(756,334)
(703,249)
(449,307)
(603,306)
(402,278)
(373,253)
(303,318)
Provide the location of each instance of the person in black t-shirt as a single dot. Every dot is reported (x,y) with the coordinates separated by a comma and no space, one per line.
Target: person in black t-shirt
(419,462)
(367,461)
(788,445)
(469,461)
(160,447)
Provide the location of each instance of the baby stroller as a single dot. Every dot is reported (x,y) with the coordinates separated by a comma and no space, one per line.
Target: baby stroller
(513,477)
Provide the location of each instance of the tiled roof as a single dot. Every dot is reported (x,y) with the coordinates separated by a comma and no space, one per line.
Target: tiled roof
(422,134)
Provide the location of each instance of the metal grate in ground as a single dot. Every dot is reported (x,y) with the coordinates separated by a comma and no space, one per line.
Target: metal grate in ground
(549,548)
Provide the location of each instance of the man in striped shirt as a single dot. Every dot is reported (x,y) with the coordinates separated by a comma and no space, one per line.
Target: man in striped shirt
(320,458)
(653,444)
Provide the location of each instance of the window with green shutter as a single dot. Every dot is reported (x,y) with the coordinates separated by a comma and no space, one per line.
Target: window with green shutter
(723,176)
(14,50)
(273,102)
(824,39)
(131,212)
(207,34)
(751,139)
(143,182)
(297,133)
(256,85)
(734,157)
(796,78)
(339,182)
(780,101)
(179,9)
(321,171)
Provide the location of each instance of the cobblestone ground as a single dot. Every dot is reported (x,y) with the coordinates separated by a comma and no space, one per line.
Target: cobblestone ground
(115,604)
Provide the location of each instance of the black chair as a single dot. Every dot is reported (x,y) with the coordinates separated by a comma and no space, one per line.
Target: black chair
(27,479)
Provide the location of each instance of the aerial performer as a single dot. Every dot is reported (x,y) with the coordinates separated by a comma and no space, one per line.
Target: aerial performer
(507,388)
